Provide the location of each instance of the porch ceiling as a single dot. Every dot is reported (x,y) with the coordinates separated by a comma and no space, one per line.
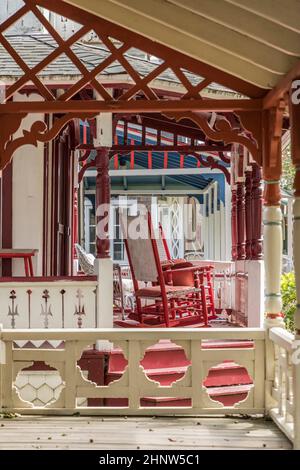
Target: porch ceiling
(257,41)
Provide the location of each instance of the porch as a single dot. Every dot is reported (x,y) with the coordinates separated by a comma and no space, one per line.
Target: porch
(116,433)
(223,175)
(57,323)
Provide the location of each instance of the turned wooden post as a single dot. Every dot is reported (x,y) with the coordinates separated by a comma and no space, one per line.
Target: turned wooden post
(272,215)
(272,221)
(102,203)
(233,173)
(248,211)
(240,203)
(75,221)
(233,224)
(253,211)
(104,265)
(256,212)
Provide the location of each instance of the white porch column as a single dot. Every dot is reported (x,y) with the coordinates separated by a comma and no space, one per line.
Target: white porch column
(272,235)
(296,253)
(209,225)
(295,152)
(217,228)
(272,220)
(227,221)
(272,215)
(296,250)
(205,228)
(104,271)
(104,264)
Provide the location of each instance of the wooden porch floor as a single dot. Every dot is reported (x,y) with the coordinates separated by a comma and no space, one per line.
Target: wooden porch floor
(110,433)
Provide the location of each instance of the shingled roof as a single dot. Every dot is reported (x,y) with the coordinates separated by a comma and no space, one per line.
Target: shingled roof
(34,47)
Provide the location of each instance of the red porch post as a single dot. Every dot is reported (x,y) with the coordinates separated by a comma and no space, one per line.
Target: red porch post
(253,212)
(246,238)
(240,204)
(256,212)
(233,205)
(248,211)
(75,221)
(233,224)
(102,203)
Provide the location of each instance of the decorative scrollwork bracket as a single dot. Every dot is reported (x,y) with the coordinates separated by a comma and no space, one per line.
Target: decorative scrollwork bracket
(39,132)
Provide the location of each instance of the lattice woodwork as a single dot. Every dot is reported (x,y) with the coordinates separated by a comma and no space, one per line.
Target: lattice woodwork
(139,84)
(115,45)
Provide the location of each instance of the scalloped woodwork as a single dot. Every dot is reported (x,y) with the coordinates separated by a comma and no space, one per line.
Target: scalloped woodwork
(39,132)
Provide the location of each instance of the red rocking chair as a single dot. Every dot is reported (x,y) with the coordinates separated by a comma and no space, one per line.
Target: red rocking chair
(170,305)
(185,276)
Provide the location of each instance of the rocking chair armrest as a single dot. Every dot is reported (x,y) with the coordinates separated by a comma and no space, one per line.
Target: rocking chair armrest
(181,264)
(187,269)
(192,267)
(166,265)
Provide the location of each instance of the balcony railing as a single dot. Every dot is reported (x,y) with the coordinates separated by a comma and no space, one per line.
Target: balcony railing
(268,359)
(285,392)
(134,384)
(49,302)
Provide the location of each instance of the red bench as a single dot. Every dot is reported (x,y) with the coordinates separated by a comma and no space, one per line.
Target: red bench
(26,254)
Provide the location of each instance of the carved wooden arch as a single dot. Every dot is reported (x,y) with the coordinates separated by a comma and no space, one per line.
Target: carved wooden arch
(209,161)
(224,131)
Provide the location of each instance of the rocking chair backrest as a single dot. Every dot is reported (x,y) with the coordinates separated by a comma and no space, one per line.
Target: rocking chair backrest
(139,248)
(162,245)
(161,250)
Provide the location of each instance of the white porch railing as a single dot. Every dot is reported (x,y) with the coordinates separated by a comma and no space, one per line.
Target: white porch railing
(285,409)
(240,312)
(134,384)
(279,369)
(239,290)
(49,303)
(223,274)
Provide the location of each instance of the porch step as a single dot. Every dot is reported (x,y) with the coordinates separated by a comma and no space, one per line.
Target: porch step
(227,373)
(223,375)
(228,396)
